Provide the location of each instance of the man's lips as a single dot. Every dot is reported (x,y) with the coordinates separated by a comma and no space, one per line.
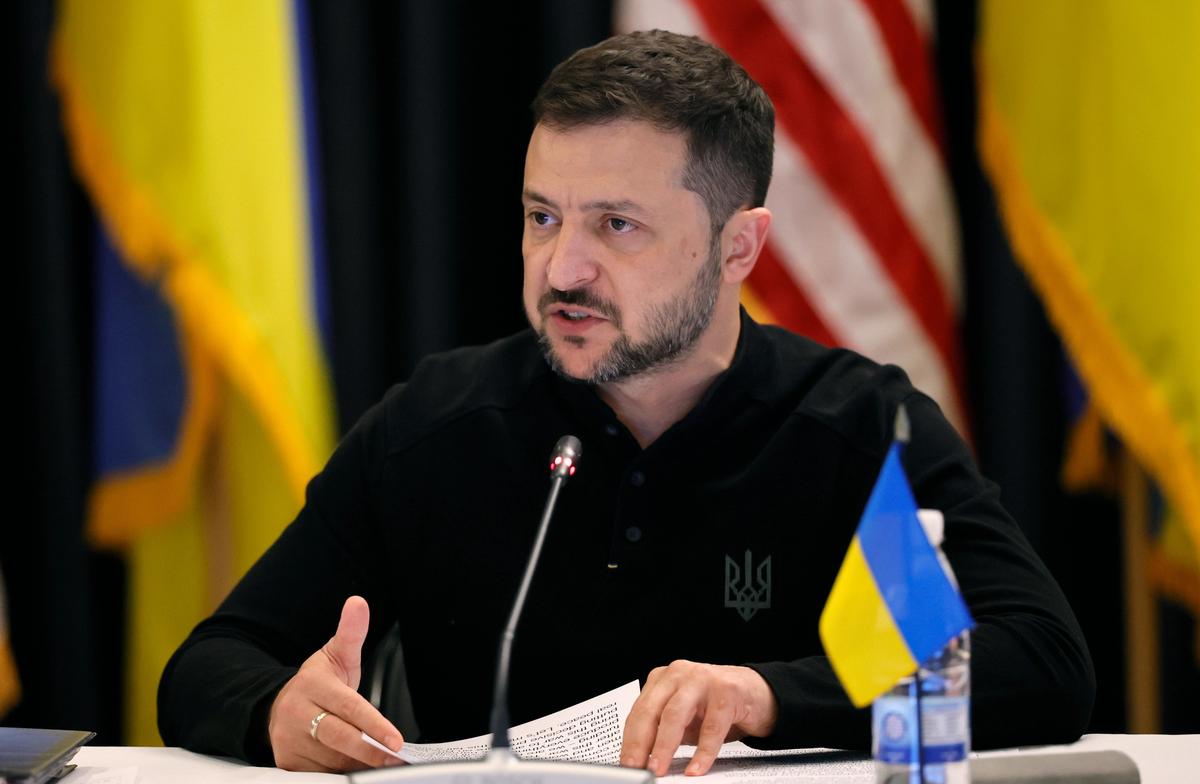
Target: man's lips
(573,320)
(573,313)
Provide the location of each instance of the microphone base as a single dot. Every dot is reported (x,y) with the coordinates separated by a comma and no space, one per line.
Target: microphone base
(500,766)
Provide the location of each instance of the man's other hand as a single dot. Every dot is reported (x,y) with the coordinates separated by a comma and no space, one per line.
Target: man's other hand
(326,684)
(703,705)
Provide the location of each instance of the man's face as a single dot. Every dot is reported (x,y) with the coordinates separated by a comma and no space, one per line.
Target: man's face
(622,271)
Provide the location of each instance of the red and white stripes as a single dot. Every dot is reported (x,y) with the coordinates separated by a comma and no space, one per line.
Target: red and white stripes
(864,249)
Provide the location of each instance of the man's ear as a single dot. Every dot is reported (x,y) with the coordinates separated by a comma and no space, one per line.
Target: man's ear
(742,240)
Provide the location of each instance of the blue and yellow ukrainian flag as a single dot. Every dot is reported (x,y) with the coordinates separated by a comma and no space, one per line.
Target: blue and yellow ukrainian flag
(188,126)
(892,606)
(1089,131)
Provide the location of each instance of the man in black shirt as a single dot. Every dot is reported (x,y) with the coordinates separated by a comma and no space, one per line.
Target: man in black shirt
(725,468)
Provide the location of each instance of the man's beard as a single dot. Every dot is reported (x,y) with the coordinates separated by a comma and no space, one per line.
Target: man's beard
(673,327)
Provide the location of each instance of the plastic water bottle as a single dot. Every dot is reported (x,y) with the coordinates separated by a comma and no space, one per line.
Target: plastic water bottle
(945,732)
(944,736)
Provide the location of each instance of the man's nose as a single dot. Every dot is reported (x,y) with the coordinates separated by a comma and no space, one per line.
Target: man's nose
(573,261)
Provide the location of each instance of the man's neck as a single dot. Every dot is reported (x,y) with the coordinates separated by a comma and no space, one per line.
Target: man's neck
(648,404)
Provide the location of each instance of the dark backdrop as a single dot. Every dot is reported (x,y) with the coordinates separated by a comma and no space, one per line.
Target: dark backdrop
(423,119)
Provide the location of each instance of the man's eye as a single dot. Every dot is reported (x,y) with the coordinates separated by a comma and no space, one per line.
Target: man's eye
(540,218)
(619,225)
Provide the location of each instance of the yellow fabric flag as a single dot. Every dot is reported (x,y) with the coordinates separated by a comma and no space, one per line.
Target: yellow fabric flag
(10,682)
(185,121)
(1090,132)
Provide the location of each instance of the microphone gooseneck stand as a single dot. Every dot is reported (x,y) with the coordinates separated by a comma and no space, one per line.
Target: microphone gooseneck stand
(501,766)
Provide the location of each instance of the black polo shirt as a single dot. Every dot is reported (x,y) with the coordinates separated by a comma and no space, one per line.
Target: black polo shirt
(718,543)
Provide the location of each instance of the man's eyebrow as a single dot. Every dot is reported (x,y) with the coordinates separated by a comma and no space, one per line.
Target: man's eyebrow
(624,205)
(531,195)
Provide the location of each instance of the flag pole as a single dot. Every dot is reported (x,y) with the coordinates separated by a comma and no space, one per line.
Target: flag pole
(903,433)
(920,728)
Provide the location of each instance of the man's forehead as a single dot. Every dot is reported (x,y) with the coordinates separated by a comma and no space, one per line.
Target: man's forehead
(605,205)
(614,130)
(617,165)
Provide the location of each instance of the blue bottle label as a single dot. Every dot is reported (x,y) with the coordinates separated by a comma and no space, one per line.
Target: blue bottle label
(944,729)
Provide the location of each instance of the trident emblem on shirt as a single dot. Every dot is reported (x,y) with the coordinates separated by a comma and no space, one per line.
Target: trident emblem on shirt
(747,590)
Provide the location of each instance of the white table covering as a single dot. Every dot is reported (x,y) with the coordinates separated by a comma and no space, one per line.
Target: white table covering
(1161,759)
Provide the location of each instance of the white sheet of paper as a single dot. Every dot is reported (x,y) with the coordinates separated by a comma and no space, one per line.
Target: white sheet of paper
(587,732)
(740,764)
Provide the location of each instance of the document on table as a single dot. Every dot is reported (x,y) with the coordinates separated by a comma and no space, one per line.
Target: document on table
(587,732)
(591,732)
(740,764)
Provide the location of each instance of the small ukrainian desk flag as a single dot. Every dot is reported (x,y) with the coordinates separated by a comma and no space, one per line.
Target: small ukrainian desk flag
(892,606)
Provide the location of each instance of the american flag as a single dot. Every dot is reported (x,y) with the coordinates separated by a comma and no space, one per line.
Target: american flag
(864,248)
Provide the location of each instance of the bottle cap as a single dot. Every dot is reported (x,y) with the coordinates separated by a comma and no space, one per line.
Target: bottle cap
(934,524)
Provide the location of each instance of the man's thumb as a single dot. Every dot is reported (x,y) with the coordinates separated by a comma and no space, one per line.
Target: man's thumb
(345,648)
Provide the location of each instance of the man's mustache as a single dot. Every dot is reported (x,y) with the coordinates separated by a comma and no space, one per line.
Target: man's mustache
(584,298)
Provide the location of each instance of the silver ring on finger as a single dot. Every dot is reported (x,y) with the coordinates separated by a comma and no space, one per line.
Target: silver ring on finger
(316,722)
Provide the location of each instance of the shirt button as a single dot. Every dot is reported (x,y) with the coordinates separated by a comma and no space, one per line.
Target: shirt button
(612,430)
(633,533)
(637,479)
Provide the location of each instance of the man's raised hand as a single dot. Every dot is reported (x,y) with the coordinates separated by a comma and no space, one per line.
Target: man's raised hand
(325,687)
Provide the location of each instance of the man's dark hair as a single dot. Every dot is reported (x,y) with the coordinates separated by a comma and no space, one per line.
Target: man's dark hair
(676,83)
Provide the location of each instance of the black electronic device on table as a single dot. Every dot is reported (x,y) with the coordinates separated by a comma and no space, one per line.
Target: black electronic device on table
(32,756)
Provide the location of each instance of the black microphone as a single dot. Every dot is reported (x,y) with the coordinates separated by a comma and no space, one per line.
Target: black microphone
(563,462)
(500,766)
